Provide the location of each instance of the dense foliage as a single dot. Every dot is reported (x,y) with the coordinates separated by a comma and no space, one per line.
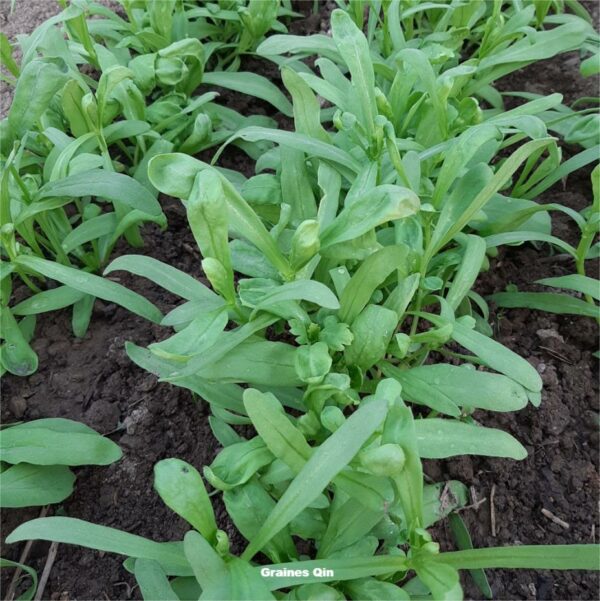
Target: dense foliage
(340,323)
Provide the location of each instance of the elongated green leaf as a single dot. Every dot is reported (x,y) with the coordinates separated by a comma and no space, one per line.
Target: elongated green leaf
(153,582)
(445,388)
(249,506)
(372,330)
(56,441)
(48,300)
(313,44)
(372,589)
(307,290)
(308,145)
(439,438)
(72,531)
(463,541)
(550,302)
(103,184)
(252,84)
(354,49)
(307,110)
(166,276)
(371,274)
(92,229)
(26,485)
(536,557)
(287,443)
(455,215)
(30,592)
(92,284)
(325,463)
(6,55)
(498,357)
(195,338)
(471,264)
(523,236)
(580,283)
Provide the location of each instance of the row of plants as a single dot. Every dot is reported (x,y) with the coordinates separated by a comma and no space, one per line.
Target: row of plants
(341,322)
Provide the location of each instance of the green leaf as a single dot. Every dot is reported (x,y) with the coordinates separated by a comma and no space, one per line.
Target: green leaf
(579,283)
(72,531)
(371,273)
(6,57)
(456,213)
(463,541)
(313,362)
(91,229)
(56,441)
(249,506)
(354,50)
(167,277)
(307,111)
(296,186)
(112,186)
(534,557)
(380,205)
(550,302)
(441,579)
(251,84)
(38,82)
(470,267)
(400,429)
(237,463)
(30,592)
(445,388)
(193,339)
(287,443)
(48,300)
(26,485)
(371,589)
(181,488)
(16,355)
(306,290)
(92,284)
(498,357)
(310,146)
(440,438)
(372,330)
(152,581)
(209,569)
(324,464)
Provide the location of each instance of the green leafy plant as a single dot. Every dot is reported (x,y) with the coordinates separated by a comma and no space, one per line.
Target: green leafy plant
(34,467)
(345,568)
(589,287)
(341,321)
(79,144)
(35,457)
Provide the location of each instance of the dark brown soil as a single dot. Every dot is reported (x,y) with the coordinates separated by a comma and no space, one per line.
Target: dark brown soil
(92,380)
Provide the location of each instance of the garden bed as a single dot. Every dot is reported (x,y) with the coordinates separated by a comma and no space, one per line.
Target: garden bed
(92,380)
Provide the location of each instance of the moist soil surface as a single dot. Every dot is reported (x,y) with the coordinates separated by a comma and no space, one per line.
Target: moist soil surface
(92,380)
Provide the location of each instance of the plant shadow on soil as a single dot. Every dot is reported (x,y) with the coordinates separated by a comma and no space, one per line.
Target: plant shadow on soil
(93,380)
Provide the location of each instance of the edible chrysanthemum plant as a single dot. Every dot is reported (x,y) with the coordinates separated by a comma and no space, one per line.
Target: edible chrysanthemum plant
(337,274)
(110,93)
(345,412)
